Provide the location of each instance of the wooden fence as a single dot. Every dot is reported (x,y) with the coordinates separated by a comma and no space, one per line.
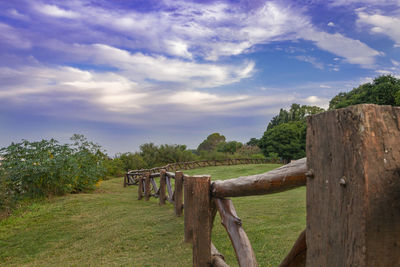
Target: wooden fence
(131,177)
(352,173)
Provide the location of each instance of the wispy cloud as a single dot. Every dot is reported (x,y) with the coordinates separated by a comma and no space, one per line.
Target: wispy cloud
(10,36)
(311,60)
(55,11)
(381,24)
(210,30)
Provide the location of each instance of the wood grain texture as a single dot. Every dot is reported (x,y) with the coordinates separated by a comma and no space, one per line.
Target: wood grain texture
(154,185)
(147,189)
(281,179)
(162,196)
(140,188)
(298,254)
(217,259)
(201,221)
(233,225)
(353,201)
(188,208)
(178,193)
(169,188)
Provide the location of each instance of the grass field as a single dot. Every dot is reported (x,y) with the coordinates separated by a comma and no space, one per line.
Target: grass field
(111,228)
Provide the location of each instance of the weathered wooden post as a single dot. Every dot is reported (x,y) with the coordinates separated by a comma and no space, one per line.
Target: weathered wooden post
(162,187)
(202,222)
(178,193)
(188,182)
(353,196)
(140,187)
(147,186)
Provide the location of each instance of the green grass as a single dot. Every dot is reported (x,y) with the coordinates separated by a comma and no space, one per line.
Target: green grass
(111,228)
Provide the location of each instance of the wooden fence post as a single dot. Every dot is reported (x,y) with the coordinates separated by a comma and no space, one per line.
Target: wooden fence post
(140,188)
(178,193)
(147,186)
(125,179)
(162,187)
(353,207)
(188,207)
(201,221)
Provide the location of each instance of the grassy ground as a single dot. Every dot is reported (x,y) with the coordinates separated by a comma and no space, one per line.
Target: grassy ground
(111,228)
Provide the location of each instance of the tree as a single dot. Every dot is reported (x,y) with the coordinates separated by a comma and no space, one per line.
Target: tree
(253,142)
(295,113)
(285,136)
(131,161)
(211,142)
(384,90)
(287,140)
(229,147)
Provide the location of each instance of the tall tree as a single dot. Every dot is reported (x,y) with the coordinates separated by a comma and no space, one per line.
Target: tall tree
(211,142)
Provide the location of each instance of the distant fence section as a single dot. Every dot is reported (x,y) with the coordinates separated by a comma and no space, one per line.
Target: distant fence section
(132,177)
(352,173)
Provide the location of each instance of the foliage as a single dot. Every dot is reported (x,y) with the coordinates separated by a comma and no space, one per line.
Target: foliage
(155,156)
(114,167)
(131,161)
(285,136)
(211,142)
(247,151)
(44,168)
(384,90)
(253,142)
(229,147)
(287,140)
(295,113)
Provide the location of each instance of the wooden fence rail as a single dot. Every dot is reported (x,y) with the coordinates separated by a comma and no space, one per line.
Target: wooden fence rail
(352,173)
(131,177)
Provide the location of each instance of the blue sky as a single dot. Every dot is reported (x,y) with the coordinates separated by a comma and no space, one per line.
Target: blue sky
(128,72)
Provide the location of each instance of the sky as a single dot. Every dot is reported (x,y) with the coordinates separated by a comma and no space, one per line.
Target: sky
(124,73)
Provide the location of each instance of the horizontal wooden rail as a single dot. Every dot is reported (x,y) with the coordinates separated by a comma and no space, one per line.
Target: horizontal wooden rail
(281,179)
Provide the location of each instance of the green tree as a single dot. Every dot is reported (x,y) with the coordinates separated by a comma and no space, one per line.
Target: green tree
(253,142)
(131,161)
(285,135)
(211,142)
(384,90)
(295,113)
(229,147)
(286,139)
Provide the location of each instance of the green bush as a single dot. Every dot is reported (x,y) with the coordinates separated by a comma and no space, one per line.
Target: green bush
(44,168)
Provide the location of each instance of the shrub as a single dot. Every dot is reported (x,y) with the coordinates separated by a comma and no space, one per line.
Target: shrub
(44,168)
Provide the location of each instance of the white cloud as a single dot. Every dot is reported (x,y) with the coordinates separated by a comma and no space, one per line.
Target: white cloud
(331,24)
(142,67)
(55,11)
(11,36)
(111,91)
(354,51)
(381,24)
(325,86)
(383,72)
(212,30)
(311,60)
(363,2)
(16,14)
(113,97)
